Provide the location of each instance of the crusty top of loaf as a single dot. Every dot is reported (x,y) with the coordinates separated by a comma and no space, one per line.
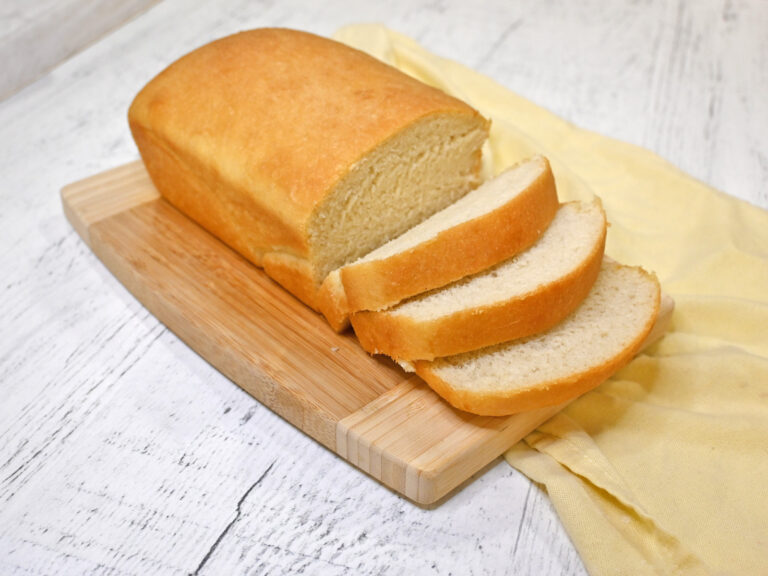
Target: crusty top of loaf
(234,102)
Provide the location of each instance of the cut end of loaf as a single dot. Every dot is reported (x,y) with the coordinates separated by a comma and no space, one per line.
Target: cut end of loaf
(332,302)
(400,183)
(575,356)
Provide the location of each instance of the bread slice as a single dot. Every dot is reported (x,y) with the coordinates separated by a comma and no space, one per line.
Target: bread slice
(302,153)
(332,302)
(492,223)
(600,337)
(527,294)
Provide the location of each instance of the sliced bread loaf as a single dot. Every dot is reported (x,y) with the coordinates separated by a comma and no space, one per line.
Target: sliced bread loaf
(301,153)
(497,220)
(524,295)
(575,356)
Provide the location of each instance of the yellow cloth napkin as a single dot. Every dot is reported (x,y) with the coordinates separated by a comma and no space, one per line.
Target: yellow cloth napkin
(663,468)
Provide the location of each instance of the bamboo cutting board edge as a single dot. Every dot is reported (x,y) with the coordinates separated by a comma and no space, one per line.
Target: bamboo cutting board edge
(389,424)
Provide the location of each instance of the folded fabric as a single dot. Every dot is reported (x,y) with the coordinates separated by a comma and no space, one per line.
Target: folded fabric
(661,469)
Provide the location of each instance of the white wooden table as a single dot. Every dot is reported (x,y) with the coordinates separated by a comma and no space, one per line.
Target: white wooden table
(122,452)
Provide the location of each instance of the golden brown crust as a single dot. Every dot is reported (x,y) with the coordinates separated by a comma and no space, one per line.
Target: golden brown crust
(183,188)
(403,338)
(456,252)
(506,402)
(332,302)
(250,133)
(293,274)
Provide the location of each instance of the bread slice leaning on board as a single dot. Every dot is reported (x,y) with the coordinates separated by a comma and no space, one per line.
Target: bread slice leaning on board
(301,153)
(492,223)
(578,354)
(524,295)
(306,156)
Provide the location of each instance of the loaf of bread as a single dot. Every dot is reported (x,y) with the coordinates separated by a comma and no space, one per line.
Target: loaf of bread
(494,222)
(357,188)
(301,153)
(524,295)
(602,335)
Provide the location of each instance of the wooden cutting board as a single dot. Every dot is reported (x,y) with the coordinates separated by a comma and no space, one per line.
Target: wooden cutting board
(367,410)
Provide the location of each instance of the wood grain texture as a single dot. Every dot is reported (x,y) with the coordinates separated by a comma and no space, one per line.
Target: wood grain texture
(123,452)
(425,448)
(223,307)
(366,409)
(102,196)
